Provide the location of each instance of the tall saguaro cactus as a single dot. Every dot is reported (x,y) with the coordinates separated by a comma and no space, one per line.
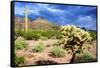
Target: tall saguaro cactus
(26,19)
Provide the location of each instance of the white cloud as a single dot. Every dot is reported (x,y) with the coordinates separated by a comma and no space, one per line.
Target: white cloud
(37,8)
(86,21)
(48,8)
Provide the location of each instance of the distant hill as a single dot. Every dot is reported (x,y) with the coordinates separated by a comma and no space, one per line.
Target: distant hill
(39,23)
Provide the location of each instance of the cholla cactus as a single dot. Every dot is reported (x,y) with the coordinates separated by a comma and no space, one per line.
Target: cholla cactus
(73,38)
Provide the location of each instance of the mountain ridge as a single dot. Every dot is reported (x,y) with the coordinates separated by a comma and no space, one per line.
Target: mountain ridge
(38,23)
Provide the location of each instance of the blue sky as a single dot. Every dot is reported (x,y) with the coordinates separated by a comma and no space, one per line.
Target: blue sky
(82,16)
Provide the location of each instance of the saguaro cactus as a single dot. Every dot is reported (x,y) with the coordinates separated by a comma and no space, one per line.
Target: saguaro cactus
(26,19)
(73,39)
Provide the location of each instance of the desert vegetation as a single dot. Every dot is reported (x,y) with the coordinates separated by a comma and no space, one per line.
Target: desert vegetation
(54,34)
(55,45)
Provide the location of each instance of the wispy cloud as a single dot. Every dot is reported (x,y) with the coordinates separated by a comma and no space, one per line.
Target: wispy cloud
(86,21)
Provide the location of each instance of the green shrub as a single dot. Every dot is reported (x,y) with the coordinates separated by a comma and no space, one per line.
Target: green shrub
(20,43)
(58,35)
(20,39)
(19,46)
(19,60)
(85,57)
(56,44)
(19,32)
(93,34)
(36,34)
(57,51)
(49,34)
(43,38)
(38,48)
(31,35)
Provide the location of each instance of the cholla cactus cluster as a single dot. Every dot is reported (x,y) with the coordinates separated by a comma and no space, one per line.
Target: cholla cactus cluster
(73,37)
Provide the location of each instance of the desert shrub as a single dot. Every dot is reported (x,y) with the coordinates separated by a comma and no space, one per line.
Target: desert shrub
(85,57)
(20,39)
(58,35)
(93,34)
(57,51)
(43,38)
(31,35)
(50,34)
(38,48)
(47,34)
(19,60)
(73,39)
(36,34)
(19,46)
(20,43)
(19,32)
(56,44)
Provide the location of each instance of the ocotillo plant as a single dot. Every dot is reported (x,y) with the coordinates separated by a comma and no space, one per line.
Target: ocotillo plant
(73,39)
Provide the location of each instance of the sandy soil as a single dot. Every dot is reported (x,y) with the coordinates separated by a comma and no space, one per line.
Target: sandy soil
(32,58)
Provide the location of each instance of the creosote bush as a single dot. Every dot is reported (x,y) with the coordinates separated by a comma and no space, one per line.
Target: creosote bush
(20,43)
(73,39)
(38,48)
(56,51)
(19,60)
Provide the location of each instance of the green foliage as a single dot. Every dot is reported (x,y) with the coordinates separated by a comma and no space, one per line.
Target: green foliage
(57,51)
(37,34)
(58,34)
(20,43)
(19,32)
(43,38)
(93,34)
(48,34)
(19,60)
(38,48)
(31,35)
(85,57)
